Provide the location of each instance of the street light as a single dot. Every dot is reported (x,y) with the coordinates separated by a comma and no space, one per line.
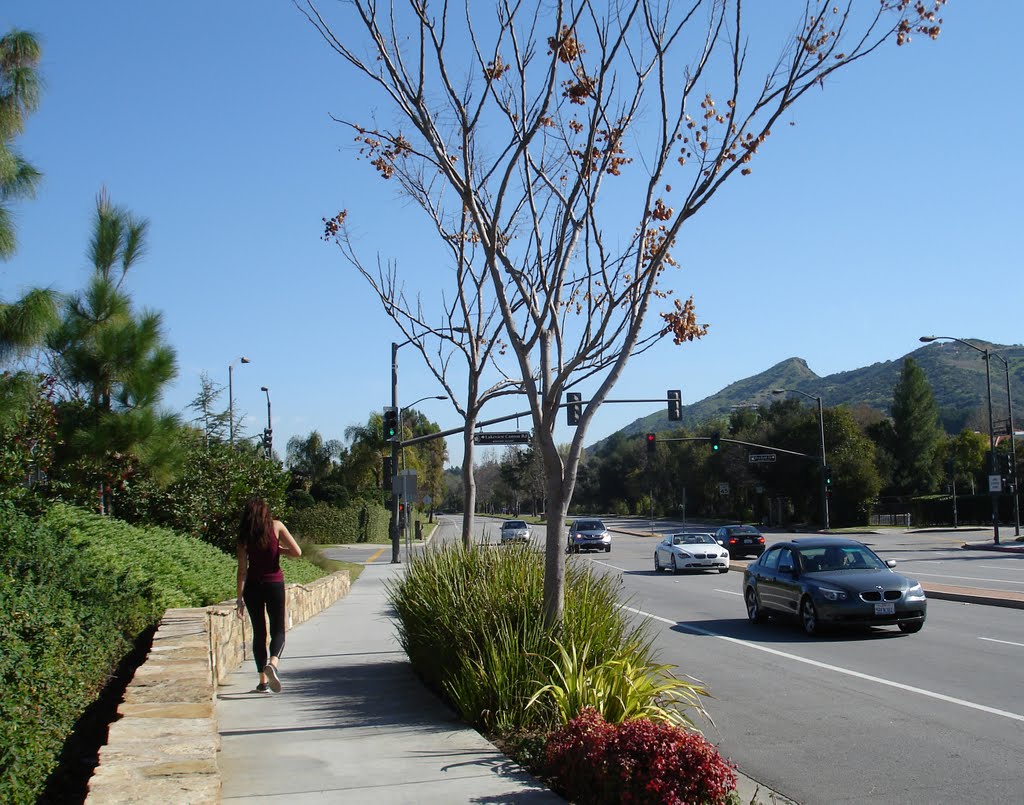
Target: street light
(821,431)
(1013,443)
(395,442)
(231,400)
(268,433)
(991,431)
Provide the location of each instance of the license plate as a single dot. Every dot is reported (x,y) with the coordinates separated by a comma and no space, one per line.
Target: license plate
(885,609)
(747,541)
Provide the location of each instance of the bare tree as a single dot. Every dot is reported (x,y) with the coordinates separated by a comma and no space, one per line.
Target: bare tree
(512,121)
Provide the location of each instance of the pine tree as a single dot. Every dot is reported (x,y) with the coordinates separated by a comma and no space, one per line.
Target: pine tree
(918,435)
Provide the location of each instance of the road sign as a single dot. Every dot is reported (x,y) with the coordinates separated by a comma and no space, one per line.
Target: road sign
(502,437)
(761,458)
(995,483)
(723,488)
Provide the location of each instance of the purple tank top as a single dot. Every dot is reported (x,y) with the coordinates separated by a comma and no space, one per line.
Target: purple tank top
(264,563)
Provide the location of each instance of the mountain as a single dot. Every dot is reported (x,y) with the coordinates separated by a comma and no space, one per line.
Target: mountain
(956,374)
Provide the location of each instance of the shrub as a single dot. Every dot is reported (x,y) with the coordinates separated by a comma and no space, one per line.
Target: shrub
(621,688)
(471,622)
(638,761)
(75,591)
(326,524)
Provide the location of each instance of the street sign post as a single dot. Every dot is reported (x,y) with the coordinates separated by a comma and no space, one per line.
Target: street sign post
(761,458)
(502,437)
(995,483)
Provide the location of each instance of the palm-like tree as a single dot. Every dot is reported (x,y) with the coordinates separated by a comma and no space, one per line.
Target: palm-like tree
(20,86)
(311,458)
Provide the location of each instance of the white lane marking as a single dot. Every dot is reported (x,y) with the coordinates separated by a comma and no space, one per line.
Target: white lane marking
(1006,642)
(970,578)
(995,567)
(837,669)
(609,564)
(727,592)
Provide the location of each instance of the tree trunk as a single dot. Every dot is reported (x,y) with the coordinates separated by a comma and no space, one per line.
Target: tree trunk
(554,552)
(468,485)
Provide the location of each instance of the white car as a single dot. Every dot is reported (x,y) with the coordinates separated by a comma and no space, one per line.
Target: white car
(515,531)
(690,551)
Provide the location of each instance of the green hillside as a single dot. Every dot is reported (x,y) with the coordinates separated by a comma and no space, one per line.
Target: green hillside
(956,374)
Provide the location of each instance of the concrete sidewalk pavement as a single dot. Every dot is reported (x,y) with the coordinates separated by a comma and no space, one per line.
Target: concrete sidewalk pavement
(353,724)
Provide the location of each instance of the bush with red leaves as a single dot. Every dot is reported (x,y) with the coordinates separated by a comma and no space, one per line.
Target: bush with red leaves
(639,761)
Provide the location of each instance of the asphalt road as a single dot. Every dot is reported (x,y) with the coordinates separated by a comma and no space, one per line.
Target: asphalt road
(866,717)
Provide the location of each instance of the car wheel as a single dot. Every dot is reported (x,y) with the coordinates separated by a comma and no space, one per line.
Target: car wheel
(754,612)
(809,617)
(910,628)
(608,549)
(675,567)
(657,564)
(723,570)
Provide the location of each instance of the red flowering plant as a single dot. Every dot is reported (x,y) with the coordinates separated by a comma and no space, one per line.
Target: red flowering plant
(638,761)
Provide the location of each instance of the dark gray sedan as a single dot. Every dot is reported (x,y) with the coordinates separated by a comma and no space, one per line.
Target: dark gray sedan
(830,581)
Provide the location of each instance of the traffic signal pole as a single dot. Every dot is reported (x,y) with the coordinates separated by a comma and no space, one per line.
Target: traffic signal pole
(393,523)
(824,464)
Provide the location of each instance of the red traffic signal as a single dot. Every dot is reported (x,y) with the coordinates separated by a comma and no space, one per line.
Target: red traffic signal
(652,442)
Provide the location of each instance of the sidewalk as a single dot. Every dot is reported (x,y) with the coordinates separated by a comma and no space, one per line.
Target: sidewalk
(353,724)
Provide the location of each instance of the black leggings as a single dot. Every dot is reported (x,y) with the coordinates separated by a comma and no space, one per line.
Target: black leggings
(265,596)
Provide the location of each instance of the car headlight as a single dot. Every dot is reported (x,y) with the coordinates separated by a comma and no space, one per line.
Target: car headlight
(832,595)
(915,593)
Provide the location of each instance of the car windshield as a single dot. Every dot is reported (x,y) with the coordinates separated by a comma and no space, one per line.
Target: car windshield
(839,557)
(514,524)
(742,529)
(588,525)
(692,539)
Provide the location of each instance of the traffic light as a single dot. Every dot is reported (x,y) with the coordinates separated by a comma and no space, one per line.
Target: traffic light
(826,471)
(1009,471)
(652,442)
(716,442)
(675,405)
(387,473)
(268,441)
(390,423)
(574,409)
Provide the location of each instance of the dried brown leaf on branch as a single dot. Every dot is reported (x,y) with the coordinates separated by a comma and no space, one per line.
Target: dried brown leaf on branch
(682,323)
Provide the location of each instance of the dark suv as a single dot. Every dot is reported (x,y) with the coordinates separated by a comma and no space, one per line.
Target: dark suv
(740,540)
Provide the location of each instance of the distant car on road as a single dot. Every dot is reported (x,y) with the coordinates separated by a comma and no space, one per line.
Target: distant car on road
(690,551)
(831,581)
(515,531)
(589,534)
(740,540)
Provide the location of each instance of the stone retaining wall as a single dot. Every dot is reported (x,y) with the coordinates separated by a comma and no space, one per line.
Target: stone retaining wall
(163,747)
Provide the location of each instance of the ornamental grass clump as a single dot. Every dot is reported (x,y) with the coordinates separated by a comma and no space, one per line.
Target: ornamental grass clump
(623,687)
(471,622)
(637,761)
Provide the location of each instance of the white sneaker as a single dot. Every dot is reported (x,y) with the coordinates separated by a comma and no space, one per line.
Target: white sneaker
(272,678)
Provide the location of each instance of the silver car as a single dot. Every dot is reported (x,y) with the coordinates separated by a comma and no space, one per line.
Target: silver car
(515,531)
(589,534)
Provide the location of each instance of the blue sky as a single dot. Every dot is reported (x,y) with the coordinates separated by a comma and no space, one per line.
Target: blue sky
(890,209)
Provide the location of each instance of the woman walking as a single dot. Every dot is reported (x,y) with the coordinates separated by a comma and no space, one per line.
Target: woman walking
(261,541)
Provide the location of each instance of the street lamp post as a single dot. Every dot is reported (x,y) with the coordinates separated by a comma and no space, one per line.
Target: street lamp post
(1013,444)
(821,469)
(268,434)
(231,399)
(393,530)
(991,430)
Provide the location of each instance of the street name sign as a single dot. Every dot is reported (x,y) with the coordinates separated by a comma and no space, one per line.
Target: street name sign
(761,458)
(502,437)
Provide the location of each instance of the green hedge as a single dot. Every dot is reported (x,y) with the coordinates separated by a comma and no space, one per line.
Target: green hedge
(75,590)
(329,525)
